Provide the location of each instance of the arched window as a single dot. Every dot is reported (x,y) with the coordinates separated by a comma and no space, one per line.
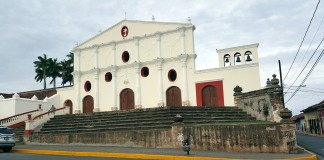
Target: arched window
(248,57)
(227,60)
(237,57)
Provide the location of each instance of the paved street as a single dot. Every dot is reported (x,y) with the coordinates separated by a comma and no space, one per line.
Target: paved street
(311,143)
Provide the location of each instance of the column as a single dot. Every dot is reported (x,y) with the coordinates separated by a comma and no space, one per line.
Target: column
(96,77)
(77,77)
(182,41)
(160,83)
(185,94)
(113,72)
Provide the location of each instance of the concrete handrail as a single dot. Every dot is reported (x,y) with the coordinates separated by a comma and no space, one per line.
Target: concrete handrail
(43,118)
(9,121)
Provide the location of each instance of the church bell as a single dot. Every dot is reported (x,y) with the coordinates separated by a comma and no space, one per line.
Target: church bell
(238,59)
(248,58)
(226,60)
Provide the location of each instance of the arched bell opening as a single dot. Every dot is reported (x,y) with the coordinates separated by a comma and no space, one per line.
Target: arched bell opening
(248,57)
(227,60)
(237,58)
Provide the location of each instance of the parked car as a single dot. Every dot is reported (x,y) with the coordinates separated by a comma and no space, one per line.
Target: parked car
(7,139)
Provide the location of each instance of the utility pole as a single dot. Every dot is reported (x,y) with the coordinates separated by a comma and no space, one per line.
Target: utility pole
(283,97)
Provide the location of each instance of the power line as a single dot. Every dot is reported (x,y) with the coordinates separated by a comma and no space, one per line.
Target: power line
(319,26)
(308,74)
(303,39)
(306,64)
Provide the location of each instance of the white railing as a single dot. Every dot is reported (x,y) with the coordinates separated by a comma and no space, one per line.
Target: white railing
(9,121)
(34,122)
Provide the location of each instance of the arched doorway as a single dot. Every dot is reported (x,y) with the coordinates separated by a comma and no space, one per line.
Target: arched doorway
(70,104)
(127,101)
(87,104)
(209,96)
(173,96)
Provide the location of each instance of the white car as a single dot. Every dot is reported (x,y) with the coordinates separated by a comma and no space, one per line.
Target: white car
(7,139)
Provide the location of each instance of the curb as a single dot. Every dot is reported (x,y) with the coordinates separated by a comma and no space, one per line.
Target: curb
(116,155)
(313,157)
(138,156)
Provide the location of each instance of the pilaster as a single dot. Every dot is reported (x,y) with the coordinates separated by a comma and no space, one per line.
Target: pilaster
(96,98)
(183,60)
(159,63)
(158,39)
(113,72)
(77,79)
(182,40)
(138,98)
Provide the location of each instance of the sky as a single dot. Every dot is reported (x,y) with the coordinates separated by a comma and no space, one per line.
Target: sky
(30,28)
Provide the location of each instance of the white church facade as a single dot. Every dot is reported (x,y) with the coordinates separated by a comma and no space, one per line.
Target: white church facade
(145,64)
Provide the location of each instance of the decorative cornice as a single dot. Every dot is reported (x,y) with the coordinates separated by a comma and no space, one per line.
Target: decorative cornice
(137,64)
(228,68)
(255,45)
(132,39)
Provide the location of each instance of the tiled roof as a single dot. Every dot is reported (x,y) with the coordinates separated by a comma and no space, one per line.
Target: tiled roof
(314,107)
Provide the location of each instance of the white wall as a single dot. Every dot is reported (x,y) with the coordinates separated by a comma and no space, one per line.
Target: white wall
(7,108)
(13,106)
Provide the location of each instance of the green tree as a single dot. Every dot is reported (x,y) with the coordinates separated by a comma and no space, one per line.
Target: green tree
(41,69)
(70,67)
(54,69)
(66,72)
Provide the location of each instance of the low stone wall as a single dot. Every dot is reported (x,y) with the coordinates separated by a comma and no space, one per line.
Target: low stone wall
(264,104)
(277,137)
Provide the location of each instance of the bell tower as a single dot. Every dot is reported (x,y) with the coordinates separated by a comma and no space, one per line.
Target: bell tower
(240,55)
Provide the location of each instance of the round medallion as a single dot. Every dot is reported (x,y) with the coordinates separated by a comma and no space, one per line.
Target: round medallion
(124,31)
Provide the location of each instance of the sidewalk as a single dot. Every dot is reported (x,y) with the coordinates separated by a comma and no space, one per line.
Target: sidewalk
(149,153)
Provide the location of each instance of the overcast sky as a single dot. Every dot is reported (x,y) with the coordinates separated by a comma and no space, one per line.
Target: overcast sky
(30,28)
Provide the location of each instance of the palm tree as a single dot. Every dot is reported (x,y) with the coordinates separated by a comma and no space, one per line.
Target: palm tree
(70,67)
(54,70)
(66,70)
(41,69)
(70,58)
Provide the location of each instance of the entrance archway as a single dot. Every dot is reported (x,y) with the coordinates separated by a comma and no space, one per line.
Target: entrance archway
(70,104)
(87,104)
(209,96)
(173,96)
(127,101)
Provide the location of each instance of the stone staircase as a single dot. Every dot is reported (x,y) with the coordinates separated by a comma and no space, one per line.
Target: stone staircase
(19,133)
(141,119)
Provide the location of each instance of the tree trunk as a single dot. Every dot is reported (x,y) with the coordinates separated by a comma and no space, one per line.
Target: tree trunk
(44,76)
(54,83)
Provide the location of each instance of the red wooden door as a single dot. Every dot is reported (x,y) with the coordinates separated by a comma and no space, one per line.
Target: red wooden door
(87,104)
(70,104)
(209,96)
(127,99)
(173,96)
